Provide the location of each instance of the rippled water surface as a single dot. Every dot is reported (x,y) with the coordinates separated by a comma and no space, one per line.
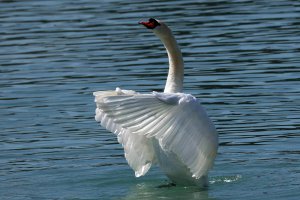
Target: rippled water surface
(242,60)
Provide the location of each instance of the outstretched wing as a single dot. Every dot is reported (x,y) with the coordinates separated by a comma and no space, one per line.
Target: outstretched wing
(177,121)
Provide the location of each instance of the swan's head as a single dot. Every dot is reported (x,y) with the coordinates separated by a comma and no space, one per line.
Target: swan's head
(151,24)
(157,26)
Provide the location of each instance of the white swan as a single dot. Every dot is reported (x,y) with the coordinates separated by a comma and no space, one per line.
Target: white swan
(170,128)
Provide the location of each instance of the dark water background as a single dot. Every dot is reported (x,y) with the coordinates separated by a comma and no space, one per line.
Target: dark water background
(242,60)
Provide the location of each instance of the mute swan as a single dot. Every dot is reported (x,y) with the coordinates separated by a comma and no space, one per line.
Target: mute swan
(170,129)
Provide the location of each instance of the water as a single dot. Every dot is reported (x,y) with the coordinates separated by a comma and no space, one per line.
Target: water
(242,60)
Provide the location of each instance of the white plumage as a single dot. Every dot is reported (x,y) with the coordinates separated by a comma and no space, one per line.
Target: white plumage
(170,129)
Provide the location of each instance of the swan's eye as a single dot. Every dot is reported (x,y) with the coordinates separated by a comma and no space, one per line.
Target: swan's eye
(151,24)
(152,20)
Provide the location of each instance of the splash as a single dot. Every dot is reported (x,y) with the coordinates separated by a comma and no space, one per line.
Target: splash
(225,179)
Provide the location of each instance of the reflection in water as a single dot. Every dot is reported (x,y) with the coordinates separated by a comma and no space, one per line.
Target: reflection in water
(151,191)
(241,60)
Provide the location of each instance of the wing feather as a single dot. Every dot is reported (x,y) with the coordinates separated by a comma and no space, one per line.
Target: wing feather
(177,121)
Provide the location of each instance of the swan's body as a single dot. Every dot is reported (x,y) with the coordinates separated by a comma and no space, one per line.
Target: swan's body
(170,128)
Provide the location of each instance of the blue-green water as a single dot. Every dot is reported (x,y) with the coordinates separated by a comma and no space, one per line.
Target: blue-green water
(242,60)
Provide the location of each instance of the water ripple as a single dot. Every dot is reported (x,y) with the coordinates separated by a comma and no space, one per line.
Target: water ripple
(241,59)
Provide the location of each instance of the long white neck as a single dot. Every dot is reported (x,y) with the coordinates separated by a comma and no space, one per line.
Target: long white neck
(176,67)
